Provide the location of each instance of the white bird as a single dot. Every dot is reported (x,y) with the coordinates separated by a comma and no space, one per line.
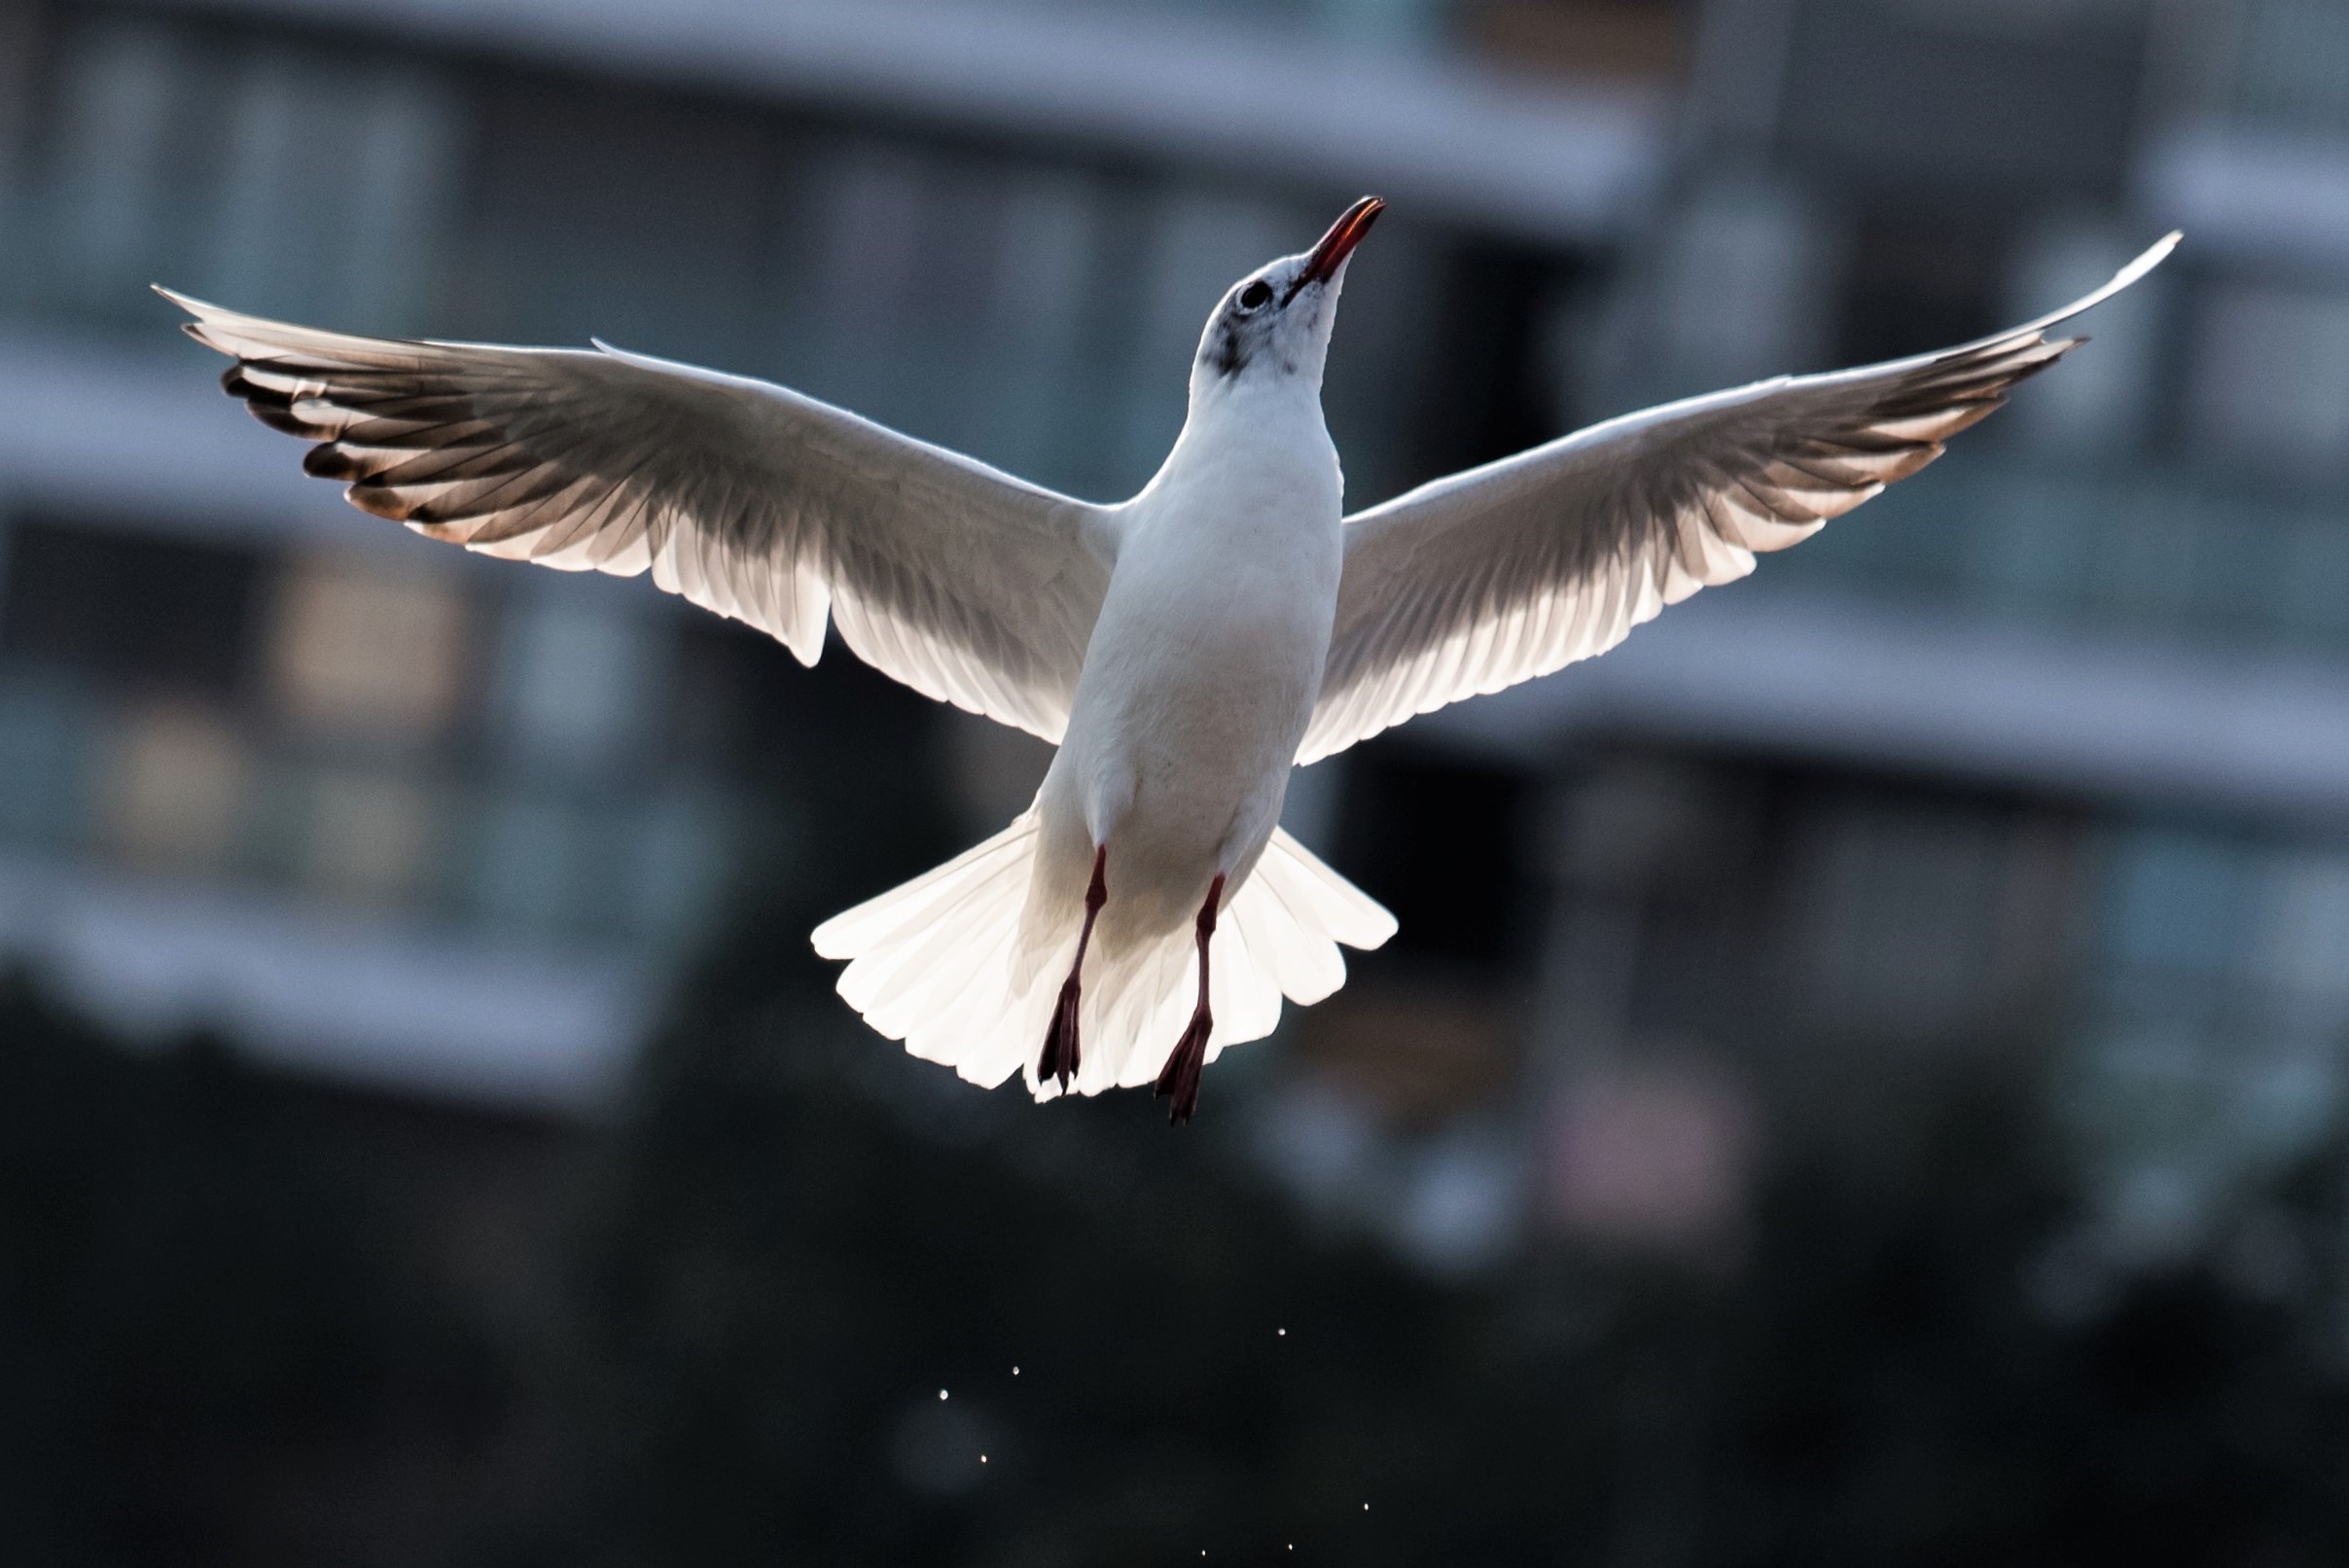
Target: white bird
(1184,649)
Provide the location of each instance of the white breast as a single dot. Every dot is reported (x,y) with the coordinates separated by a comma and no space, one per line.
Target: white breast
(1204,666)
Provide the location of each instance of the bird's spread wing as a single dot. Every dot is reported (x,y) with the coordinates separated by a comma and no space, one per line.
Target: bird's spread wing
(1502,573)
(753,501)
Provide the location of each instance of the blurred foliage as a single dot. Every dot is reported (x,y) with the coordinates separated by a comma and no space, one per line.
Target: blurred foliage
(218,1343)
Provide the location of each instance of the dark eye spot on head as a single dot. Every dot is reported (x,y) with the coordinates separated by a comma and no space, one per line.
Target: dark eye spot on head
(1255,296)
(1229,355)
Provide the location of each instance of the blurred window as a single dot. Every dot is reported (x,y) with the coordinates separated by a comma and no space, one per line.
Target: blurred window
(354,648)
(2261,927)
(1419,1050)
(46,737)
(303,181)
(130,608)
(2102,402)
(1655,1156)
(1493,389)
(2289,59)
(730,687)
(680,860)
(641,217)
(175,788)
(2008,96)
(22,64)
(535,864)
(1918,918)
(1916,283)
(2271,375)
(1740,282)
(575,681)
(2303,935)
(2213,1050)
(1640,40)
(2176,901)
(369,838)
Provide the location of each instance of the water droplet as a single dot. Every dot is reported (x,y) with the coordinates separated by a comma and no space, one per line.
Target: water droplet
(982,1458)
(942,1394)
(1014,1371)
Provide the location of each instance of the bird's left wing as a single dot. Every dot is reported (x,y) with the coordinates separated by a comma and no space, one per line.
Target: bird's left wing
(966,584)
(1496,575)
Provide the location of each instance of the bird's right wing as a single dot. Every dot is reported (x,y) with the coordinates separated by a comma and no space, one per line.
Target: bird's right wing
(748,499)
(1520,567)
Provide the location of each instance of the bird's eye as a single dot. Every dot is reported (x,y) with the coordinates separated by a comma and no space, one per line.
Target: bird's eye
(1255,295)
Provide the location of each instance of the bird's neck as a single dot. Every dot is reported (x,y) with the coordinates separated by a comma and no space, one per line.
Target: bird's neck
(1252,436)
(1251,413)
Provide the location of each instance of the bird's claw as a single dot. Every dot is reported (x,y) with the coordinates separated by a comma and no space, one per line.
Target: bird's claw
(1180,1076)
(1061,1050)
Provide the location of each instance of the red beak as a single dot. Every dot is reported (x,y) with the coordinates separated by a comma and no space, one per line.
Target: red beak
(1338,244)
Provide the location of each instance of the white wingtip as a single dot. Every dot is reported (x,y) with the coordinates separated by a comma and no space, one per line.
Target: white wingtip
(2155,253)
(2154,256)
(199,309)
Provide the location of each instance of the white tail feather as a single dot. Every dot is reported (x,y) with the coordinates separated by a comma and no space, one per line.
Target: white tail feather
(940,963)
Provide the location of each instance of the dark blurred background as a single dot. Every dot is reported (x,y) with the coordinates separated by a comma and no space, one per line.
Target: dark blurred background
(1861,1079)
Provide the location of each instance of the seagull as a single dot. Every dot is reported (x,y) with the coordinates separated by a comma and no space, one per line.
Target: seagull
(1184,649)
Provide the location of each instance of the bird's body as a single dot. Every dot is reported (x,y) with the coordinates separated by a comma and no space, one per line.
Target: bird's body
(1185,649)
(1203,668)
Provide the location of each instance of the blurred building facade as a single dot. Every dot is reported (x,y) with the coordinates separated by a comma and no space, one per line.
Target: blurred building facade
(2047,751)
(2047,754)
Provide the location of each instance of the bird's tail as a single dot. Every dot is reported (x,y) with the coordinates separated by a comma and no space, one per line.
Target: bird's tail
(942,964)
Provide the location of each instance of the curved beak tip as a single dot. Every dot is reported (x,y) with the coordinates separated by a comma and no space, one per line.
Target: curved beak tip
(1329,253)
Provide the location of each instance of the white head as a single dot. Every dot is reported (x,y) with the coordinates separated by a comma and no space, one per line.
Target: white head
(1272,327)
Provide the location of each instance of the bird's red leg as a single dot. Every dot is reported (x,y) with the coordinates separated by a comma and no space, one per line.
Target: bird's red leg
(1181,1075)
(1060,1052)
